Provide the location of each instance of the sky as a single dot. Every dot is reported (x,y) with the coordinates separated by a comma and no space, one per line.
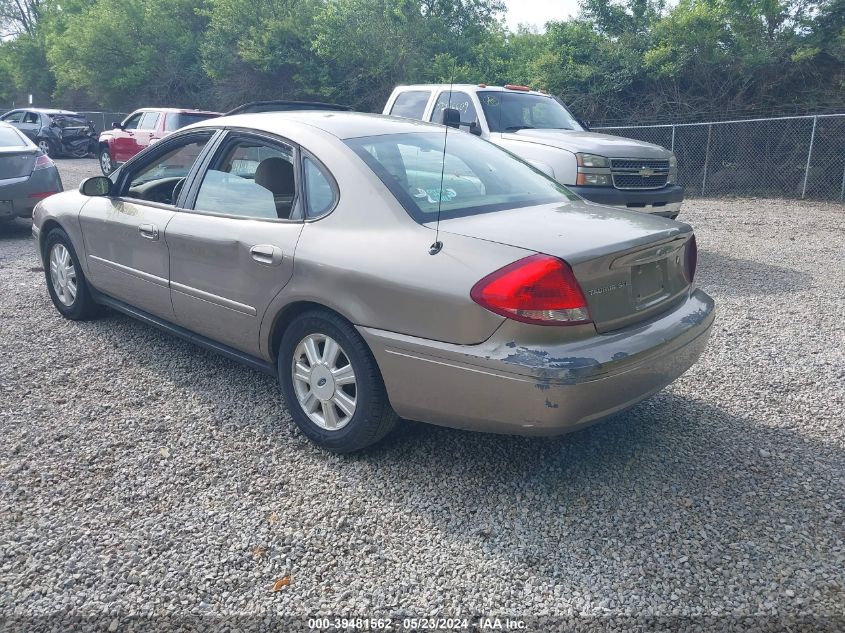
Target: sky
(538,12)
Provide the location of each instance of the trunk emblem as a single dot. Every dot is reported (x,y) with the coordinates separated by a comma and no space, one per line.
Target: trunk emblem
(606,289)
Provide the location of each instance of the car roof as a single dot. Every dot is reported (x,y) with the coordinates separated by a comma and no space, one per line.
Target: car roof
(469,88)
(43,110)
(177,110)
(343,125)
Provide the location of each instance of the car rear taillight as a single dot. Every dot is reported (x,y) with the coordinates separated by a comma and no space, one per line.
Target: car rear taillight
(42,162)
(538,289)
(692,258)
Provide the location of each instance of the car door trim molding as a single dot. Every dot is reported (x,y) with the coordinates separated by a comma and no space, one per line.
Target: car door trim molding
(159,281)
(196,293)
(224,350)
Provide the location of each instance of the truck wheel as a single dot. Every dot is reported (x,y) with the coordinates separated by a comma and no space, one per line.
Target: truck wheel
(106,163)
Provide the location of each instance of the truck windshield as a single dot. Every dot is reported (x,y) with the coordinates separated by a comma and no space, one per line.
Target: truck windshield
(471,177)
(513,111)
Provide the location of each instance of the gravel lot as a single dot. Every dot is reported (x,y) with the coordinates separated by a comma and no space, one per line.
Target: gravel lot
(141,475)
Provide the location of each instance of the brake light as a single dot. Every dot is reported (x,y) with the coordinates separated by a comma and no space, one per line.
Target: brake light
(692,258)
(42,162)
(515,87)
(538,289)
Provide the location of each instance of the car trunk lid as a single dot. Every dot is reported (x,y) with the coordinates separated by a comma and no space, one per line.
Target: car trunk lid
(629,265)
(16,162)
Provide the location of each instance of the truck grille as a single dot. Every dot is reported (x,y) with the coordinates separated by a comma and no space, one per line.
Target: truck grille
(631,173)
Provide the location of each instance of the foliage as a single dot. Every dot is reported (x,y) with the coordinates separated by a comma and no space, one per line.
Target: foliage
(619,59)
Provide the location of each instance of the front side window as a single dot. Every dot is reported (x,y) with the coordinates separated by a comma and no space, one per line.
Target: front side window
(514,111)
(459,101)
(132,122)
(476,176)
(410,104)
(160,178)
(149,121)
(14,117)
(250,178)
(30,117)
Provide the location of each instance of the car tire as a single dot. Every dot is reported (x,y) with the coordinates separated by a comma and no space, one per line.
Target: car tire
(46,147)
(106,162)
(323,416)
(66,282)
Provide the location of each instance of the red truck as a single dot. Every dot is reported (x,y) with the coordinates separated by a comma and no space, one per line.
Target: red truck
(141,129)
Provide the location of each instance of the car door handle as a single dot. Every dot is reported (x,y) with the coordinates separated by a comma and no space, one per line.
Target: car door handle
(148,231)
(266,254)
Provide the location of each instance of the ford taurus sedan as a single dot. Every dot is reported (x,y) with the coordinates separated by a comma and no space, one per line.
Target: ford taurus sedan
(383,270)
(26,175)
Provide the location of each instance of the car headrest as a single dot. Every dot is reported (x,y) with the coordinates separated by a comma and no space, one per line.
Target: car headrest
(275,174)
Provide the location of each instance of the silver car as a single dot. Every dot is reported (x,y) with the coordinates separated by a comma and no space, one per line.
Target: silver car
(383,270)
(27,175)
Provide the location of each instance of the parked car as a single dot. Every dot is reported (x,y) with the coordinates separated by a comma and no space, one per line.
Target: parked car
(301,243)
(27,175)
(56,132)
(141,129)
(605,169)
(283,105)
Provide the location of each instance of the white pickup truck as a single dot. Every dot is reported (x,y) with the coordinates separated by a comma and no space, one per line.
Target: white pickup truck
(601,168)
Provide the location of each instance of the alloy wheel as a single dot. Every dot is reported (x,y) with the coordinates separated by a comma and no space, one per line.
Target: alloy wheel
(105,162)
(63,274)
(324,381)
(44,146)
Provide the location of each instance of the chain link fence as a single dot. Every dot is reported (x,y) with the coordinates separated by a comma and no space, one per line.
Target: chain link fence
(784,157)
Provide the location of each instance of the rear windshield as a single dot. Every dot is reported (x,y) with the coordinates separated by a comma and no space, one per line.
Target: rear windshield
(477,177)
(70,120)
(10,138)
(181,119)
(514,111)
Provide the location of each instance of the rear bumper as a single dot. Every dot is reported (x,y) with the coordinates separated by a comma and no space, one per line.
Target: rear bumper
(665,201)
(501,386)
(16,194)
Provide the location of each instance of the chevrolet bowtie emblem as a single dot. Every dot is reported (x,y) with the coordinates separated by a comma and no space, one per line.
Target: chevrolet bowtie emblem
(646,172)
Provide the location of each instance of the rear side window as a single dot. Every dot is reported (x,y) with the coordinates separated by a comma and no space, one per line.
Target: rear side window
(250,178)
(176,120)
(149,121)
(10,138)
(318,189)
(410,104)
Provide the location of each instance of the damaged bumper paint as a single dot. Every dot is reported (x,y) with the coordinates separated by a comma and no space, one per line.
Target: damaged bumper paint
(543,386)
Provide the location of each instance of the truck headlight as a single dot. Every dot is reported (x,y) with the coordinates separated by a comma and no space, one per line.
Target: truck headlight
(591,160)
(596,180)
(673,170)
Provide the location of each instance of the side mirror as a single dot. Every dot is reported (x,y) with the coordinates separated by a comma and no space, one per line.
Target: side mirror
(95,186)
(451,117)
(475,128)
(117,124)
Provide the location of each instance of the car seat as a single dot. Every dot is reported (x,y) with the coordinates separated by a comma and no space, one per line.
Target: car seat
(276,175)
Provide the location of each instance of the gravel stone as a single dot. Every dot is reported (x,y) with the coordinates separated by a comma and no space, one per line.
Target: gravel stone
(720,496)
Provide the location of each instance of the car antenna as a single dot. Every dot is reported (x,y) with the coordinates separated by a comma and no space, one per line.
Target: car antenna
(438,245)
